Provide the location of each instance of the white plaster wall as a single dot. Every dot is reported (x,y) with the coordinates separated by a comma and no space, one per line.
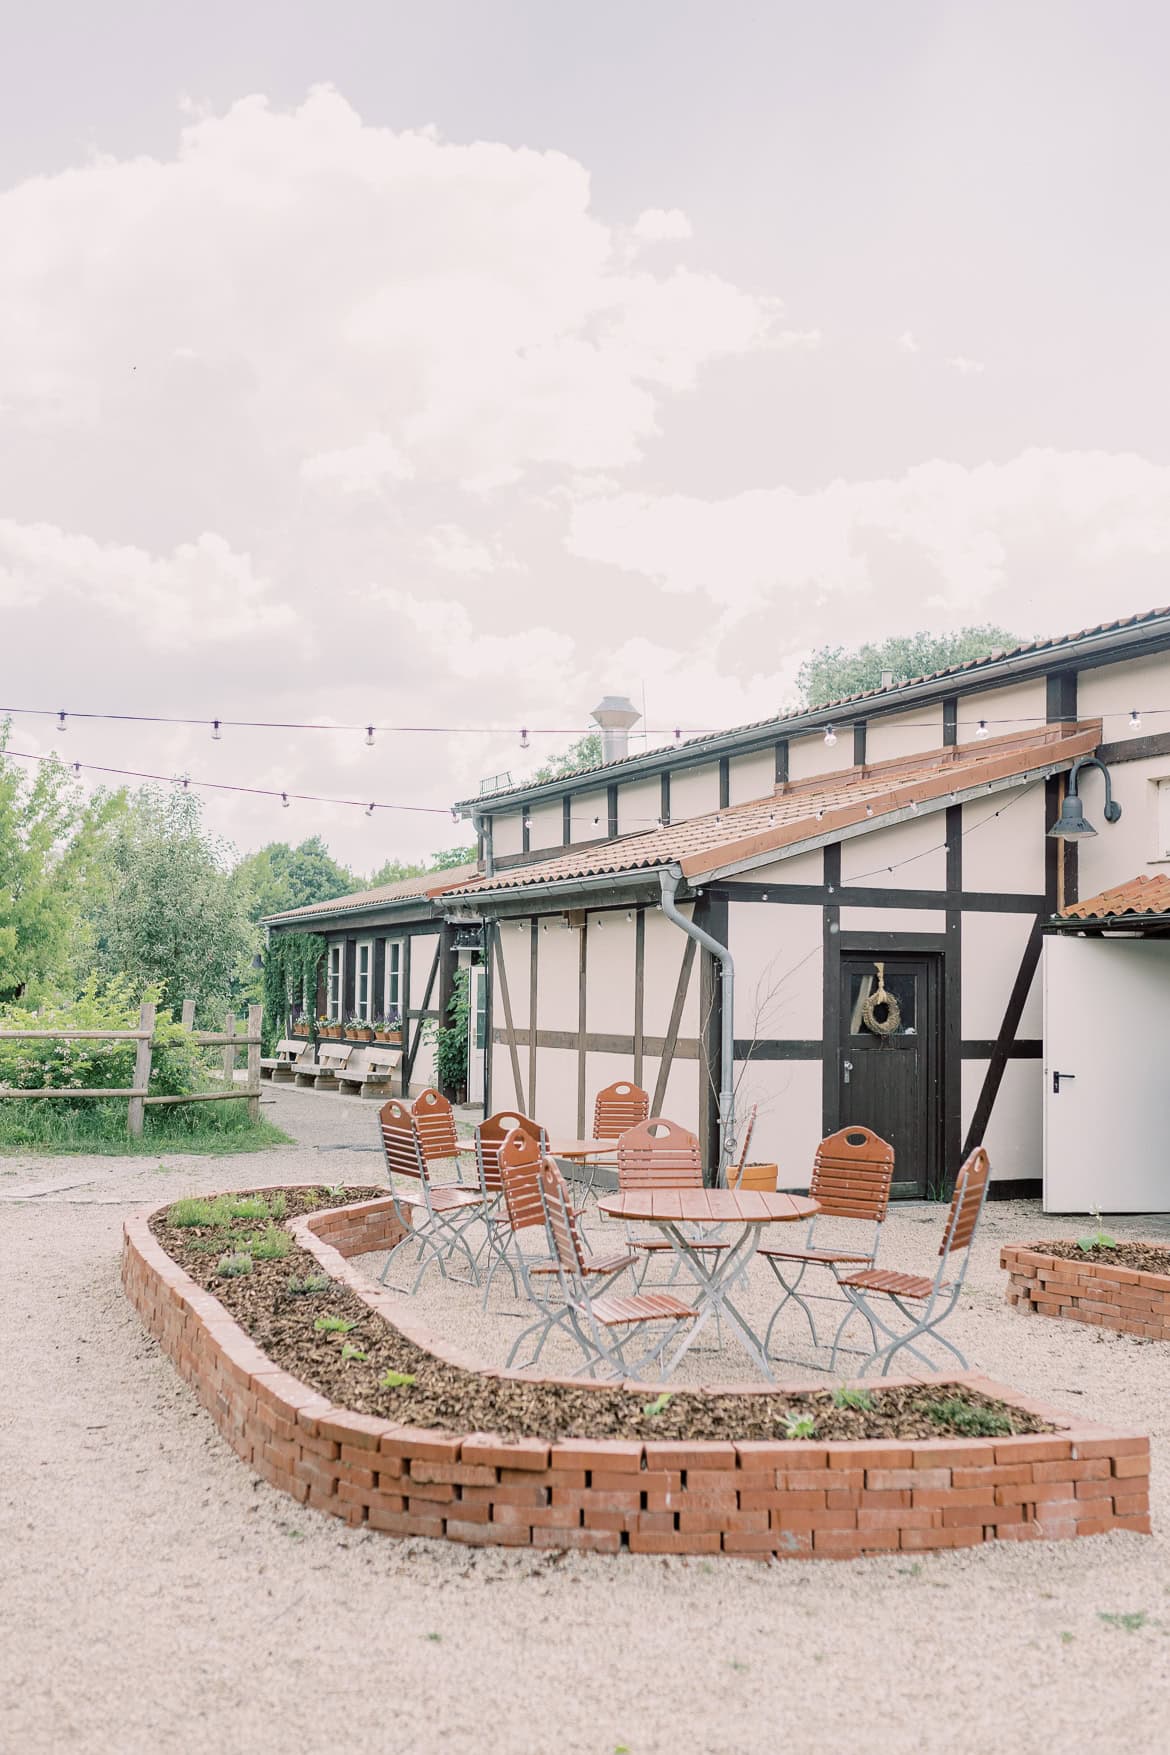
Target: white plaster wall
(1131,847)
(1005,851)
(904,734)
(752,776)
(1016,707)
(788,1126)
(558,976)
(504,1093)
(1014,1138)
(1111,692)
(800,868)
(916,849)
(608,1069)
(694,791)
(778,954)
(681,1100)
(556,1090)
(546,825)
(590,816)
(609,979)
(892,920)
(639,807)
(665,946)
(992,947)
(514,943)
(507,833)
(810,756)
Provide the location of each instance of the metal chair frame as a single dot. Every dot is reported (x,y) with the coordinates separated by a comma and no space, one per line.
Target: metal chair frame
(658,1153)
(446,1209)
(595,1319)
(851,1177)
(619,1106)
(490,1137)
(931,1300)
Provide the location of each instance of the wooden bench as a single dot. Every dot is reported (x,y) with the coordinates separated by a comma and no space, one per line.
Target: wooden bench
(332,1059)
(279,1066)
(372,1079)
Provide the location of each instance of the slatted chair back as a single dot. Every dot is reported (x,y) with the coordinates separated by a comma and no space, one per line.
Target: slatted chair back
(519,1161)
(736,1170)
(435,1120)
(489,1140)
(852,1173)
(966,1202)
(400,1141)
(659,1154)
(617,1108)
(562,1223)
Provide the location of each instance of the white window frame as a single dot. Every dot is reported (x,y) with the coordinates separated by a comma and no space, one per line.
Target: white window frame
(363,1008)
(1161,852)
(392,985)
(335,981)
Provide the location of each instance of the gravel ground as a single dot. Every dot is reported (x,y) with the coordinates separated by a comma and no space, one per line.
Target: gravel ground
(153,1596)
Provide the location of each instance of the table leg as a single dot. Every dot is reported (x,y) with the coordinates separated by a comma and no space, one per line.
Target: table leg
(713,1298)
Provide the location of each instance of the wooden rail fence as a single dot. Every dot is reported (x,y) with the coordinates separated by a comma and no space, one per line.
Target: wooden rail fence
(138,1094)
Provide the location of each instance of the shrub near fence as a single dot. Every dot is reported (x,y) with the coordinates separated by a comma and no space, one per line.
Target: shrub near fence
(106,1046)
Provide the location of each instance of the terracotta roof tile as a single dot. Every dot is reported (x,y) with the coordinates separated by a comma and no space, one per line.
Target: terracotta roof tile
(805,811)
(427,883)
(1141,895)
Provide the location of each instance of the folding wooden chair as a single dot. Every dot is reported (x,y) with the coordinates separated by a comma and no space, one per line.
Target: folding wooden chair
(597,1320)
(660,1154)
(618,1107)
(520,1161)
(923,1303)
(437,1216)
(435,1120)
(490,1136)
(851,1178)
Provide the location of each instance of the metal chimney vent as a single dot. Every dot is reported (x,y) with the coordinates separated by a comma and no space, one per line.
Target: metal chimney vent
(615,715)
(887,679)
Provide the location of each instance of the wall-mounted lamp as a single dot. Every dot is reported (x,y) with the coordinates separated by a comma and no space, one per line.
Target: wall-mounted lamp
(1072,824)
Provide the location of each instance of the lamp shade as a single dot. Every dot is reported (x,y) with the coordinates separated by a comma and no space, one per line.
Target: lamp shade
(1072,824)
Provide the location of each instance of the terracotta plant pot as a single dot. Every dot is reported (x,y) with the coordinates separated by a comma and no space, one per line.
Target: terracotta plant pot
(759,1178)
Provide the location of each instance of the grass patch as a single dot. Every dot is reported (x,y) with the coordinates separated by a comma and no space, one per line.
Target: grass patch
(231,1267)
(333,1325)
(99,1128)
(310,1284)
(844,1397)
(189,1213)
(273,1245)
(967,1420)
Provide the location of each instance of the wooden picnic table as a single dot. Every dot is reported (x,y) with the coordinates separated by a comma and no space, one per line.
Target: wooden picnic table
(672,1208)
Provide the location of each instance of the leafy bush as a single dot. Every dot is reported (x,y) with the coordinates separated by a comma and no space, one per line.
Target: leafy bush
(232,1266)
(63,1065)
(274,1245)
(199,1212)
(968,1420)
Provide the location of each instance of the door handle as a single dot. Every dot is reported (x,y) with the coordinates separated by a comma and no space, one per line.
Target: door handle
(1056,1078)
(846,1068)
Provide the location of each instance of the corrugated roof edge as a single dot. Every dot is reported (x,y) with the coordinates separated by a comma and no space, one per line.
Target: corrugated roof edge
(815,715)
(416,889)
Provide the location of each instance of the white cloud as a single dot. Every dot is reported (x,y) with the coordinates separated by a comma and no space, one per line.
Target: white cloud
(907,343)
(656,224)
(966,368)
(364,468)
(453,549)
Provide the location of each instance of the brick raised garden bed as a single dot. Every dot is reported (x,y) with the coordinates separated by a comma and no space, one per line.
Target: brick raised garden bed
(799,1498)
(1095,1287)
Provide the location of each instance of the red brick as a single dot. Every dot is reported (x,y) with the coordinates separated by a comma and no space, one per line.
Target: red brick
(690,1456)
(954,1537)
(590,1501)
(534,1493)
(498,1453)
(480,1535)
(598,1540)
(887,1480)
(826,1541)
(648,1542)
(456,1474)
(611,1454)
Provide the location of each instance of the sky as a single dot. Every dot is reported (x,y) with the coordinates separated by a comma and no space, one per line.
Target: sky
(455,364)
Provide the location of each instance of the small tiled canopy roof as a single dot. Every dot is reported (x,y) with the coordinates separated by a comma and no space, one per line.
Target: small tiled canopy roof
(812,810)
(1140,898)
(411,889)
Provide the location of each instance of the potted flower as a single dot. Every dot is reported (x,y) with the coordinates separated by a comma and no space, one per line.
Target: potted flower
(327,1028)
(389,1028)
(299,1026)
(357,1030)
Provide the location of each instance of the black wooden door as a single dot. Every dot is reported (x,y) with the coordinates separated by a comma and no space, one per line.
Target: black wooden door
(891,1063)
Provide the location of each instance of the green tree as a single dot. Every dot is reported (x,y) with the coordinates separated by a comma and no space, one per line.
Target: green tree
(279,877)
(51,848)
(392,872)
(176,912)
(447,858)
(833,672)
(585,753)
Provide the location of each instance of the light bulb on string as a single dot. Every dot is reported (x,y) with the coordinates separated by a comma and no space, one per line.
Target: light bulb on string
(369,810)
(830,736)
(284,799)
(77,768)
(216,733)
(61,725)
(914,807)
(1135,721)
(369,737)
(524,738)
(454,814)
(677,735)
(981,728)
(869,810)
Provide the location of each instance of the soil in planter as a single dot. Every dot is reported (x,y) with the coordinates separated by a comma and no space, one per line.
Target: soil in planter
(282,1321)
(1144,1258)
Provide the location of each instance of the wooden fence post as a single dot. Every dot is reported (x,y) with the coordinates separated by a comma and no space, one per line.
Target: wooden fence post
(142,1060)
(255,1022)
(188,1014)
(229,1053)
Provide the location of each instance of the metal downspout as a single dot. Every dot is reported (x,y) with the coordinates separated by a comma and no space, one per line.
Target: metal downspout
(669,880)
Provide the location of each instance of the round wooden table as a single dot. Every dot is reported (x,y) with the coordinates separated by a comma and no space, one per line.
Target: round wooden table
(672,1208)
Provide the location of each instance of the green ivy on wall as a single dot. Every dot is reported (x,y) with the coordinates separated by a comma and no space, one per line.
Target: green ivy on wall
(290,979)
(451,1039)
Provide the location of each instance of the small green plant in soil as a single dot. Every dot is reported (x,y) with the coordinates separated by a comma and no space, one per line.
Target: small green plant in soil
(659,1405)
(273,1245)
(333,1325)
(232,1267)
(247,1206)
(799,1426)
(970,1422)
(1131,1623)
(1098,1239)
(310,1284)
(396,1380)
(844,1397)
(335,1191)
(351,1352)
(198,1212)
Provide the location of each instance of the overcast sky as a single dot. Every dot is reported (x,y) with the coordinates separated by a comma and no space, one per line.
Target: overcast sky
(455,363)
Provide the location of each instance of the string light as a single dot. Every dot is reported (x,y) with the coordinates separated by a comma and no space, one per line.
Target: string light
(869,810)
(369,737)
(677,735)
(830,736)
(369,810)
(216,733)
(820,815)
(61,725)
(284,800)
(981,728)
(454,814)
(914,807)
(1135,721)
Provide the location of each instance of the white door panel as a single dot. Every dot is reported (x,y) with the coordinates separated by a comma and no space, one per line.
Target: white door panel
(1107,1032)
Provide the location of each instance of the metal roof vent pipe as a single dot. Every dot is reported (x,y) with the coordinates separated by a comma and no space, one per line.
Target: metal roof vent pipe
(615,715)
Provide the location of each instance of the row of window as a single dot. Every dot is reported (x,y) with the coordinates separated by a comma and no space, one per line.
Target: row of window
(367,1003)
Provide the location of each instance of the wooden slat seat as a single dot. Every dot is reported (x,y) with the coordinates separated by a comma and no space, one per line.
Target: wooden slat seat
(435,1215)
(611,1308)
(372,1078)
(332,1058)
(887,1280)
(825,1255)
(449,1197)
(617,1108)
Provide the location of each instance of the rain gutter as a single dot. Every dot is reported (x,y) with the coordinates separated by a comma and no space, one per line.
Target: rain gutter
(669,879)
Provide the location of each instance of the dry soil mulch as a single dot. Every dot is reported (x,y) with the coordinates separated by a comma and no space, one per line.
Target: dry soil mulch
(1144,1258)
(282,1321)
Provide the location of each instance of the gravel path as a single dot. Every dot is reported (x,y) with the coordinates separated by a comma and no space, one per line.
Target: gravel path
(153,1596)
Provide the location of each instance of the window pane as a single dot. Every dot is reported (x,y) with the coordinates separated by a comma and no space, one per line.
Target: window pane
(905,991)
